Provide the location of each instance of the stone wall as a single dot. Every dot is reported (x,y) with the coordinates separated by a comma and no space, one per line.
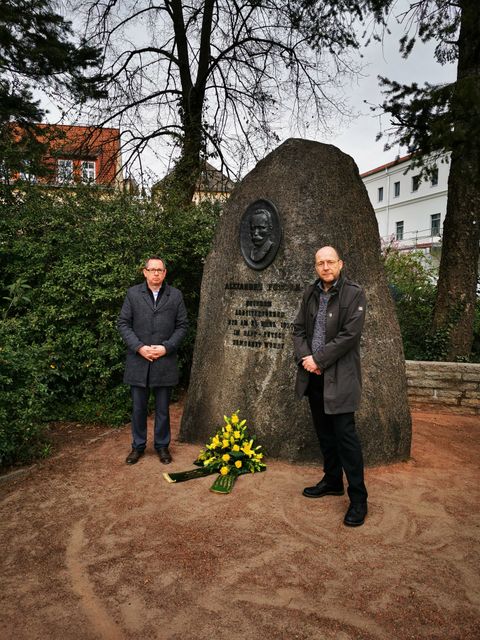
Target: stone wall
(444,386)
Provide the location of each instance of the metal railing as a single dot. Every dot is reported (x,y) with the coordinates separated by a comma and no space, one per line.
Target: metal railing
(420,238)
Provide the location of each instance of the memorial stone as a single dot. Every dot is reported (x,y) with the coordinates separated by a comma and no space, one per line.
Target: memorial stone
(302,196)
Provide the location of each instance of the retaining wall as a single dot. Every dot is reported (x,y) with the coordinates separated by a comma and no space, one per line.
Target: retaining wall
(449,387)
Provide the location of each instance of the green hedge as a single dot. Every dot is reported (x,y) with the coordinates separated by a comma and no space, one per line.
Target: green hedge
(412,277)
(66,261)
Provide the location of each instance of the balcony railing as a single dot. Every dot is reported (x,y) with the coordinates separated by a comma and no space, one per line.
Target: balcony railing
(419,239)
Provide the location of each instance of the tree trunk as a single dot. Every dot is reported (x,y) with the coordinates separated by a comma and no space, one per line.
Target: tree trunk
(188,168)
(456,293)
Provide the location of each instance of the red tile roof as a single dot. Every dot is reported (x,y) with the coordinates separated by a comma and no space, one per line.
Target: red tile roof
(387,165)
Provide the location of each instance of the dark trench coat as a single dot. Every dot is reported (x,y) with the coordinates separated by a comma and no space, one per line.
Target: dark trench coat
(339,361)
(140,323)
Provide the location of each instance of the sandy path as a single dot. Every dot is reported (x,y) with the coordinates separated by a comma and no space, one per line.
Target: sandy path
(93,549)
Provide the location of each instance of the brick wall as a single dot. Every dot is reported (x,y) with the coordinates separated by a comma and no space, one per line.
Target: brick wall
(444,386)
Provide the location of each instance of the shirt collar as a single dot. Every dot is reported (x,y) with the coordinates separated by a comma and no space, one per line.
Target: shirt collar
(332,289)
(161,288)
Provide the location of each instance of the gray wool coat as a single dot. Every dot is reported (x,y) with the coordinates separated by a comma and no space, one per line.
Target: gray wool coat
(339,361)
(140,323)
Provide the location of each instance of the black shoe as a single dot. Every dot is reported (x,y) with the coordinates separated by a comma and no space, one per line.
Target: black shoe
(134,456)
(164,455)
(323,489)
(355,515)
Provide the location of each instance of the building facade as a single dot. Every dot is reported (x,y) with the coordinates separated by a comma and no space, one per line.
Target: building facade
(212,185)
(72,155)
(410,211)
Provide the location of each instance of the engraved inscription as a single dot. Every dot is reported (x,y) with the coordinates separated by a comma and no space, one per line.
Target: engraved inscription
(263,322)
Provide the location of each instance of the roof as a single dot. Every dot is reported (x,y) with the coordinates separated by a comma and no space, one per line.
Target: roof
(388,165)
(211,180)
(100,144)
(214,181)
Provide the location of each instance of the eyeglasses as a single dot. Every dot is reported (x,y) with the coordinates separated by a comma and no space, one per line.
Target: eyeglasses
(155,270)
(327,263)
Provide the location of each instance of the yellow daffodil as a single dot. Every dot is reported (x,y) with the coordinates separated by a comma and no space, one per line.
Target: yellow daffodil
(235,447)
(226,457)
(225,444)
(228,428)
(236,434)
(224,471)
(234,419)
(238,464)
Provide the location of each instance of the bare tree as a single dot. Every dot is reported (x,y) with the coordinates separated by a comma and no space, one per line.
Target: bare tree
(211,77)
(38,50)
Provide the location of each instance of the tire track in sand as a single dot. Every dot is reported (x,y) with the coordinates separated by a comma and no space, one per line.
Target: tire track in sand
(96,613)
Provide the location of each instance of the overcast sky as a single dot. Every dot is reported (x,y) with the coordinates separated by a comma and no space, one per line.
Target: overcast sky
(358,139)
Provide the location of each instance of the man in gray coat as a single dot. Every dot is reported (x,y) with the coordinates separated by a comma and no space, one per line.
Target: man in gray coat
(152,323)
(326,341)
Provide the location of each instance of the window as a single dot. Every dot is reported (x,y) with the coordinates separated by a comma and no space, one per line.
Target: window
(380,194)
(26,173)
(415,182)
(88,171)
(396,189)
(25,176)
(434,177)
(399,231)
(435,224)
(65,171)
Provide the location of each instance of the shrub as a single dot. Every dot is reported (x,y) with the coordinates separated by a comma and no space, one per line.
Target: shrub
(66,262)
(25,391)
(412,278)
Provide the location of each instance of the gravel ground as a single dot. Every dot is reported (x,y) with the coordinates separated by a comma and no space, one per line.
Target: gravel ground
(95,549)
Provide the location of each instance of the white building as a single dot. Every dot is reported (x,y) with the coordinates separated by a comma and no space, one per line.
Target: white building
(409,211)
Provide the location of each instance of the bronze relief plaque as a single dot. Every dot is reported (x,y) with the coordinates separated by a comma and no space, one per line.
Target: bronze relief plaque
(260,234)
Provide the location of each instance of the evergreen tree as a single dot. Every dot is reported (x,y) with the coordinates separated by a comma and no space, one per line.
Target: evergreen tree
(37,51)
(430,120)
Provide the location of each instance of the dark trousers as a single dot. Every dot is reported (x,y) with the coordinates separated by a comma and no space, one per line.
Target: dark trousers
(339,444)
(140,397)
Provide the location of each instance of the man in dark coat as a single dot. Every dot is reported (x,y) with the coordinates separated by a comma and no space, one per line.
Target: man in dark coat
(326,341)
(152,323)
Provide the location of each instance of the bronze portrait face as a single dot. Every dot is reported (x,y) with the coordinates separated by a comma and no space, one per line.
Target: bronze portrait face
(260,234)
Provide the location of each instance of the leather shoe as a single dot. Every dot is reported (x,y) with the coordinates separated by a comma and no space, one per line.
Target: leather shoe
(355,515)
(164,455)
(134,456)
(323,489)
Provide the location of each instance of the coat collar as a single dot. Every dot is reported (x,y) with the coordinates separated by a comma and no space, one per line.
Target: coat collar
(334,289)
(148,298)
